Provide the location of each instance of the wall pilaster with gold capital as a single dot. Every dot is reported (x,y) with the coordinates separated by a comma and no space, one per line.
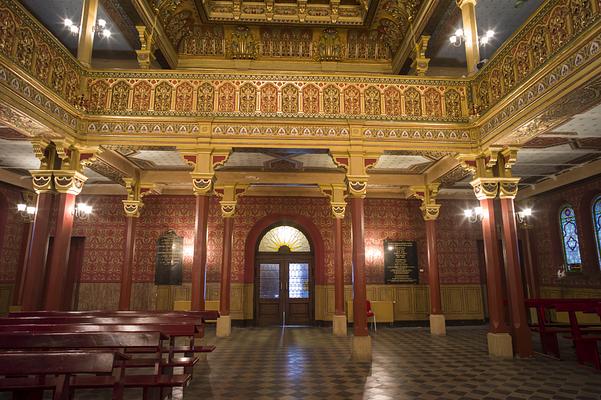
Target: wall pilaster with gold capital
(204,161)
(427,195)
(228,195)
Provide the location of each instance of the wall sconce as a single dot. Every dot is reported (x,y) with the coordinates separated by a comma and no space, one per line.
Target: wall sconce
(475,214)
(522,216)
(100,29)
(458,38)
(27,212)
(82,211)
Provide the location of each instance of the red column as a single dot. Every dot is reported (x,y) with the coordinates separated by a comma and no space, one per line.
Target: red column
(530,261)
(33,280)
(226,266)
(200,253)
(433,275)
(23,258)
(359,288)
(128,263)
(496,310)
(57,271)
(338,269)
(522,339)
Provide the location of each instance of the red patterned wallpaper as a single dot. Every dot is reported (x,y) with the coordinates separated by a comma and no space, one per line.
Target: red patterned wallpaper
(11,232)
(384,218)
(547,238)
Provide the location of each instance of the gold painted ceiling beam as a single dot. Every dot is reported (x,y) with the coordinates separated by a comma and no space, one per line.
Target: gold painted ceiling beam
(159,36)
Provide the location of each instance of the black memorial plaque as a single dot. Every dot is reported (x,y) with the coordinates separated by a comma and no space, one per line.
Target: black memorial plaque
(400,262)
(170,253)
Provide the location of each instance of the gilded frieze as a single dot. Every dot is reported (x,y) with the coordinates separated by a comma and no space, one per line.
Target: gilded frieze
(266,95)
(544,36)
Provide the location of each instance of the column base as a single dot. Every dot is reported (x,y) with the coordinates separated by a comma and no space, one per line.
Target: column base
(339,325)
(361,349)
(224,326)
(438,326)
(500,345)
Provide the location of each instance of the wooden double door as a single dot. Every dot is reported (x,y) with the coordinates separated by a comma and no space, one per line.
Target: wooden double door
(284,289)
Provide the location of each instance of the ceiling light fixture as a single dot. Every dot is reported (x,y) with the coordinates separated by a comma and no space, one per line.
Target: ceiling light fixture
(100,28)
(458,38)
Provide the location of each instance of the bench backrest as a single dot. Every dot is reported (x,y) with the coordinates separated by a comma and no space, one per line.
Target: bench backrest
(165,329)
(205,315)
(42,363)
(79,340)
(99,320)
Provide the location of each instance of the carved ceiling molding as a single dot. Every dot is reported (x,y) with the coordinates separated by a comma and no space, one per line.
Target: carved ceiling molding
(576,102)
(107,170)
(23,123)
(453,176)
(546,37)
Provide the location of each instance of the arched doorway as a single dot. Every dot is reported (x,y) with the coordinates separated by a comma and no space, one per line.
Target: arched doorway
(284,277)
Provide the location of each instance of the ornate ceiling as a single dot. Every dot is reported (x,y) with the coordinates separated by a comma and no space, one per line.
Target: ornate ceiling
(311,30)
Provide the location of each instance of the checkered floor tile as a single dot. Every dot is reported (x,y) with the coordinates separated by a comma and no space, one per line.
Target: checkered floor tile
(408,363)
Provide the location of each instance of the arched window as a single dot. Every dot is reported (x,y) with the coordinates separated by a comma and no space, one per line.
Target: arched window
(288,236)
(597,225)
(569,237)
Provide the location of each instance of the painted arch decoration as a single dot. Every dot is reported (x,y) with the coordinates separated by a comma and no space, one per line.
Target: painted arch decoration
(284,235)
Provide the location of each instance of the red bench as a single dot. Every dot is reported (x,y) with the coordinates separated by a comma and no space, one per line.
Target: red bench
(584,341)
(37,371)
(548,331)
(204,315)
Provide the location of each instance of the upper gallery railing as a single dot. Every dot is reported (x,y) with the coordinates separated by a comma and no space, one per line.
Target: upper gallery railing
(36,56)
(545,36)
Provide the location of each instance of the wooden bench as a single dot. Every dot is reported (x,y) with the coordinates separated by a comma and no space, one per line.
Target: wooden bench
(170,331)
(548,331)
(584,341)
(37,371)
(204,315)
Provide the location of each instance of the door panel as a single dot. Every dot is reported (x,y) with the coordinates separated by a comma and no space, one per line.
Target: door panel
(284,295)
(269,305)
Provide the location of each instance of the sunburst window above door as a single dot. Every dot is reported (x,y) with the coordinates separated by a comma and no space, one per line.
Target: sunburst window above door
(288,236)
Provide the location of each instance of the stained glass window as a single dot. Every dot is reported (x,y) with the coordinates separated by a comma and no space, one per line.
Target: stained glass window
(569,236)
(298,278)
(288,236)
(597,225)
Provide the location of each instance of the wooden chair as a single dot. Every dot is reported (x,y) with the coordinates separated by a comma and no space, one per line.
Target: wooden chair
(371,314)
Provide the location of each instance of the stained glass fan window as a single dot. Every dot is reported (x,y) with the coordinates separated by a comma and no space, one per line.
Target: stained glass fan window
(288,236)
(569,233)
(597,225)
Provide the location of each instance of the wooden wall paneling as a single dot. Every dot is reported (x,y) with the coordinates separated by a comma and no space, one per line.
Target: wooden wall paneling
(98,296)
(6,292)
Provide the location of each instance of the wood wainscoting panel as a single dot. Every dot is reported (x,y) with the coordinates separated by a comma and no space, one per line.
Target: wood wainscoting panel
(561,292)
(6,296)
(98,296)
(411,302)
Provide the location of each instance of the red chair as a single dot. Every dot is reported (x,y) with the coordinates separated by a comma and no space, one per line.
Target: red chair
(371,314)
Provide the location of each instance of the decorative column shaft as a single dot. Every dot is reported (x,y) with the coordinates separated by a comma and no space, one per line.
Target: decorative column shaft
(359,284)
(199,262)
(127,268)
(226,266)
(496,309)
(470,34)
(522,339)
(33,279)
(57,270)
(23,261)
(338,268)
(433,273)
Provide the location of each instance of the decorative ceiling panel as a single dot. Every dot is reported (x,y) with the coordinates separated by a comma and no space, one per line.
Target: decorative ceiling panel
(196,28)
(157,159)
(17,154)
(410,163)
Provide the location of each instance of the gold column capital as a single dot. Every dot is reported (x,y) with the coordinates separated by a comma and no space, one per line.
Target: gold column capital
(485,188)
(427,194)
(41,180)
(133,204)
(132,208)
(204,160)
(68,181)
(229,198)
(336,194)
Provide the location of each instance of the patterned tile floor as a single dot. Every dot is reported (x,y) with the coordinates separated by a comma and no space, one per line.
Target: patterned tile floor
(408,363)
